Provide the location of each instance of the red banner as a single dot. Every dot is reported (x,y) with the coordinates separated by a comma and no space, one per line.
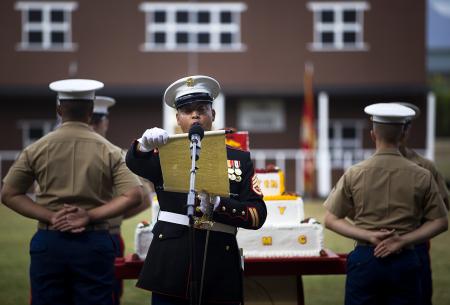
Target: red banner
(308,131)
(238,140)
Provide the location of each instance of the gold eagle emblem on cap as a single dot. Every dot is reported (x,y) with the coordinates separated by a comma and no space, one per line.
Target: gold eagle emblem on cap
(190,82)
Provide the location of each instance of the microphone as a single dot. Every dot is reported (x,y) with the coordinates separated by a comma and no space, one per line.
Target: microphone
(196,134)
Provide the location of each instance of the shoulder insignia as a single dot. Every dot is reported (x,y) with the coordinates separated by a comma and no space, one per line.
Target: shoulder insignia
(255,185)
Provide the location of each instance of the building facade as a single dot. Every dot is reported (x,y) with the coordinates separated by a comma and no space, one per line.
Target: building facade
(362,52)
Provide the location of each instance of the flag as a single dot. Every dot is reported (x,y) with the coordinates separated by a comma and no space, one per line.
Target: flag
(238,139)
(308,131)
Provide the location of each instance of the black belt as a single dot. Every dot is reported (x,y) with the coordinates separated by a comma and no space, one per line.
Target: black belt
(363,244)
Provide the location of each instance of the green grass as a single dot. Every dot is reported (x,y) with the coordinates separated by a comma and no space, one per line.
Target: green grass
(16,231)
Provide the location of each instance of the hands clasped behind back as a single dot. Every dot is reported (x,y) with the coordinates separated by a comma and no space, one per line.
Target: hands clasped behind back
(70,219)
(152,138)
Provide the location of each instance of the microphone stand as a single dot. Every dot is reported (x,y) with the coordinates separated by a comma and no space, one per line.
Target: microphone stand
(209,215)
(196,133)
(195,147)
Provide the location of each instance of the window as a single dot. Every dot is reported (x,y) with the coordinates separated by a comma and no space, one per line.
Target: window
(182,16)
(203,17)
(258,116)
(33,130)
(226,17)
(338,26)
(46,26)
(185,27)
(345,135)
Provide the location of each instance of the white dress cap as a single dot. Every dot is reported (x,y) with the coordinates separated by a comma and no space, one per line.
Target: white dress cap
(413,107)
(79,89)
(102,103)
(389,113)
(196,88)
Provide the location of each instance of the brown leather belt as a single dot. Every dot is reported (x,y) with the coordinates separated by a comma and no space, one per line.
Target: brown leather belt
(89,227)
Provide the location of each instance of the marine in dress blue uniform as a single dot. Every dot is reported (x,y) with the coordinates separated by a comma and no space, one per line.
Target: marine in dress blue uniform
(393,204)
(167,268)
(76,170)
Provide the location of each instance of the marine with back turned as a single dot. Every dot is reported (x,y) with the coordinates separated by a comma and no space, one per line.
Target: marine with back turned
(394,204)
(423,249)
(100,124)
(76,171)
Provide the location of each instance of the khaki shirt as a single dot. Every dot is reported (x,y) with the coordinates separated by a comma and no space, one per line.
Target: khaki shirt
(116,222)
(72,165)
(386,191)
(429,165)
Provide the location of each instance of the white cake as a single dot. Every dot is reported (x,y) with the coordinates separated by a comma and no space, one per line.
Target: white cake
(282,240)
(283,234)
(284,210)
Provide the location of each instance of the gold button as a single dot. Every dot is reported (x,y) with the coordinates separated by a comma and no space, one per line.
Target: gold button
(234,211)
(197,209)
(224,208)
(227,248)
(160,236)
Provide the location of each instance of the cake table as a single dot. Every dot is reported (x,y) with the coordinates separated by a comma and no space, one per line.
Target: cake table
(263,273)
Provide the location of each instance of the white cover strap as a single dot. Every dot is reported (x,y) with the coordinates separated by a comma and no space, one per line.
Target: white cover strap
(173,218)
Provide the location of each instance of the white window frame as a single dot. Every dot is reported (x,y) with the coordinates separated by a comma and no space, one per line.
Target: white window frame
(214,28)
(338,142)
(27,125)
(338,26)
(46,26)
(340,148)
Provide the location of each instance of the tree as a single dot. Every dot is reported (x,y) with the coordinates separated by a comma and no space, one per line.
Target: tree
(440,85)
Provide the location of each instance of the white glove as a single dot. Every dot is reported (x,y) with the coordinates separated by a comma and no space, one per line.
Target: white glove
(206,199)
(153,138)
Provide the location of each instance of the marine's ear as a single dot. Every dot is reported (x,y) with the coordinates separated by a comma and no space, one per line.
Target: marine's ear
(373,136)
(58,109)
